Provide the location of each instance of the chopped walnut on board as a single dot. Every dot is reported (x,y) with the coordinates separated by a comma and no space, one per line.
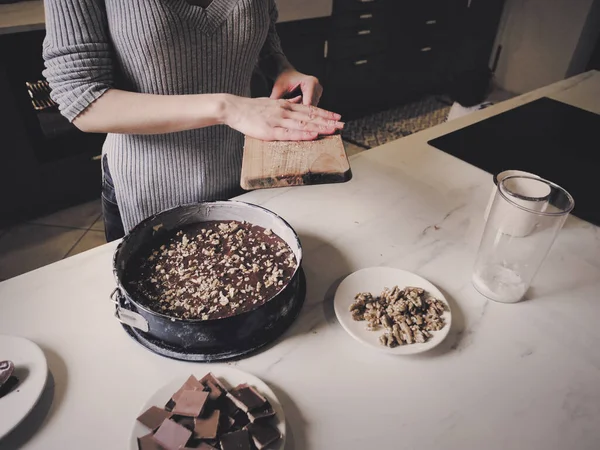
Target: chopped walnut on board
(408,315)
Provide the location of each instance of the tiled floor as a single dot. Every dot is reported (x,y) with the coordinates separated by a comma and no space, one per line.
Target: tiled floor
(34,244)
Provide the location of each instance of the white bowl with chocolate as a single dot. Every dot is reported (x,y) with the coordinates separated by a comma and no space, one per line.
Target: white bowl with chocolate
(210,277)
(224,409)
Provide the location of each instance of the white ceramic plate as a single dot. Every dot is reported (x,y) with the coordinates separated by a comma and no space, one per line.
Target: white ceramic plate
(230,377)
(374,280)
(32,370)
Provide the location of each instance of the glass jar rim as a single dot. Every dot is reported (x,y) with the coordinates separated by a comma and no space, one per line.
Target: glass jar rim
(553,186)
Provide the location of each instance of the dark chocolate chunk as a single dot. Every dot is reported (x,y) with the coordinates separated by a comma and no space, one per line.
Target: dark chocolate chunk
(213,386)
(264,412)
(148,443)
(263,434)
(190,403)
(213,443)
(238,440)
(240,419)
(227,406)
(153,417)
(214,391)
(246,398)
(191,384)
(207,428)
(186,421)
(225,423)
(200,446)
(171,435)
(170,405)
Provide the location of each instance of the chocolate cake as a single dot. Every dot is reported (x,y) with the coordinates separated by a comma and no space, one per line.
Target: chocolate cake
(211,270)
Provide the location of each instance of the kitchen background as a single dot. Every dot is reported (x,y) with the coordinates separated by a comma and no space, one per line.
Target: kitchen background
(385,66)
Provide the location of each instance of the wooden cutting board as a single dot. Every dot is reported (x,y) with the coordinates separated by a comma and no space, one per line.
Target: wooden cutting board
(281,164)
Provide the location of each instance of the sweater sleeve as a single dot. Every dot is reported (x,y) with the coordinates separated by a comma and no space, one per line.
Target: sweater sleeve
(77,53)
(271,54)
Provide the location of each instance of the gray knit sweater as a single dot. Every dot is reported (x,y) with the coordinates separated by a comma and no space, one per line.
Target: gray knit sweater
(160,47)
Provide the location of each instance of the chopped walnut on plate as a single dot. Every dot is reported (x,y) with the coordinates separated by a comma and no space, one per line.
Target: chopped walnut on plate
(407,315)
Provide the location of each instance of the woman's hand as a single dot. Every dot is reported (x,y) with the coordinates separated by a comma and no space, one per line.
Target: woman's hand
(289,80)
(278,120)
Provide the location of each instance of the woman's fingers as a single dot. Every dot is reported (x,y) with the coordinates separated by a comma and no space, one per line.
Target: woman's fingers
(308,91)
(302,125)
(320,122)
(285,134)
(317,95)
(313,111)
(282,120)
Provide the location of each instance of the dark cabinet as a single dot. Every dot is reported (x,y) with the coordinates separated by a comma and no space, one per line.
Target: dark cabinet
(393,51)
(376,54)
(385,52)
(47,163)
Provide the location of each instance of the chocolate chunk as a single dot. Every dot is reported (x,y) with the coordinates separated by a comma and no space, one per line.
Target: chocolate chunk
(246,398)
(170,405)
(148,443)
(200,446)
(227,406)
(190,403)
(263,434)
(238,440)
(240,419)
(225,423)
(153,417)
(264,412)
(191,384)
(186,421)
(213,385)
(207,428)
(171,435)
(213,443)
(214,391)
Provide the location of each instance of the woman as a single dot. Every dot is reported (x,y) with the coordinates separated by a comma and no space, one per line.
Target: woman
(169,81)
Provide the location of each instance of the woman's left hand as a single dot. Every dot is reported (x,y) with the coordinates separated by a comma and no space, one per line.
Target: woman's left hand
(290,79)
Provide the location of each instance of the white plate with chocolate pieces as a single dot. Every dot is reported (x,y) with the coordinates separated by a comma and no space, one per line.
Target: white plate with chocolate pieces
(224,409)
(392,310)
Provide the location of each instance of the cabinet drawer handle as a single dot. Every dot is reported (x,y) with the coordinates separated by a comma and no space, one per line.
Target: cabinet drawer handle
(361,62)
(426,49)
(366,1)
(364,32)
(365,16)
(431,22)
(326,49)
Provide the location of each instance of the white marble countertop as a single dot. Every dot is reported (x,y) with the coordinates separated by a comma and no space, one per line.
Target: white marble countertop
(522,376)
(29,15)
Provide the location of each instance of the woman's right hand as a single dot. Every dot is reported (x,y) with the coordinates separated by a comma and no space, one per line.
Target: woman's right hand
(278,120)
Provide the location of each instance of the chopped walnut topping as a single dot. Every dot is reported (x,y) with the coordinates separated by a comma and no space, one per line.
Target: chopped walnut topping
(408,315)
(214,271)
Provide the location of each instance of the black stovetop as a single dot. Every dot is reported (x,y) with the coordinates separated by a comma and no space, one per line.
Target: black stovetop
(554,140)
